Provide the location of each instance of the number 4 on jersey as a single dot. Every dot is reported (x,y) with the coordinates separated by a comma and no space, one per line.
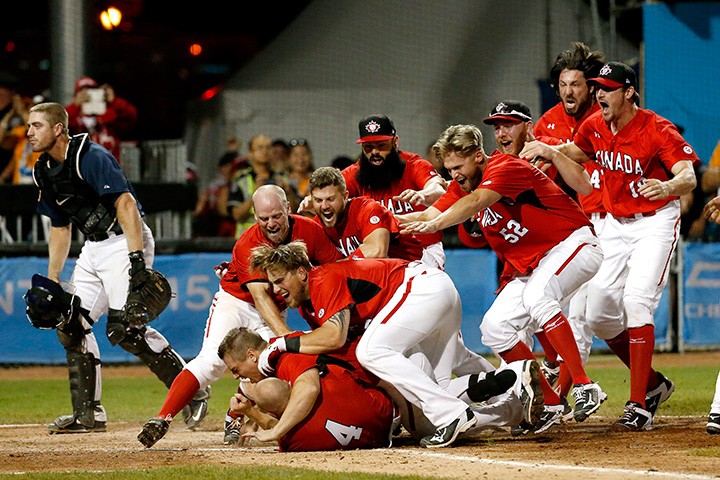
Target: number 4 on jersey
(344,434)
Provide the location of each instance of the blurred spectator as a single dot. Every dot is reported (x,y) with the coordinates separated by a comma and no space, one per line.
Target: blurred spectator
(431,157)
(711,179)
(13,117)
(211,215)
(99,112)
(280,156)
(692,221)
(258,172)
(301,167)
(341,162)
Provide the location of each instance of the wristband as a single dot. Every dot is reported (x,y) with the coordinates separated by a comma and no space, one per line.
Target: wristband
(292,344)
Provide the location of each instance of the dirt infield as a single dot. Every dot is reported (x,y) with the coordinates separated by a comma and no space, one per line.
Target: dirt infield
(590,450)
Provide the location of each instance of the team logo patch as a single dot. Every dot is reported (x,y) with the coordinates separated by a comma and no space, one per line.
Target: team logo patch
(605,70)
(487,182)
(688,149)
(372,126)
(374,219)
(321,313)
(501,107)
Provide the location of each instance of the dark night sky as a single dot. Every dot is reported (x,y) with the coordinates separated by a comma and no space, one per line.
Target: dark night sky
(147,59)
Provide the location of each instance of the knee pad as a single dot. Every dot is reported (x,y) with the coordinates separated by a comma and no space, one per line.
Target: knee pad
(72,334)
(117,327)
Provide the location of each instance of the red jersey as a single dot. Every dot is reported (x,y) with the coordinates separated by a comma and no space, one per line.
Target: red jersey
(647,147)
(533,215)
(363,216)
(320,250)
(558,124)
(417,173)
(345,416)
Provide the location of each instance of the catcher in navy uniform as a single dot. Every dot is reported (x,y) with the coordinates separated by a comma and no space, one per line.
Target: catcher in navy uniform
(81,183)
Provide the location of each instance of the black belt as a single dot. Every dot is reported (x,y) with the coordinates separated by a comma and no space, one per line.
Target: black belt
(99,237)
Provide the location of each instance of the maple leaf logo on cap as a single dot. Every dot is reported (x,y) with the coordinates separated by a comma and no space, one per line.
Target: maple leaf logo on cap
(501,107)
(605,70)
(372,126)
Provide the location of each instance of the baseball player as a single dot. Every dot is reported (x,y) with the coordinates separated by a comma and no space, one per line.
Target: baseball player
(513,203)
(313,404)
(400,181)
(647,165)
(568,77)
(712,213)
(244,299)
(360,227)
(402,306)
(82,184)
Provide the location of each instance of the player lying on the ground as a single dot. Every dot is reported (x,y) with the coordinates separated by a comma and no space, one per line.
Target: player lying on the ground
(325,407)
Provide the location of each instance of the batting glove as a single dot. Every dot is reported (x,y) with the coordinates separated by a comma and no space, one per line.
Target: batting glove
(221,270)
(269,357)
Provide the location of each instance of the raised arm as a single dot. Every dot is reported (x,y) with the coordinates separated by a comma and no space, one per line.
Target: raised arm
(460,211)
(265,304)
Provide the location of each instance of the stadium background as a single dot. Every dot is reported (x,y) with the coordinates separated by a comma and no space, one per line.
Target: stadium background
(427,65)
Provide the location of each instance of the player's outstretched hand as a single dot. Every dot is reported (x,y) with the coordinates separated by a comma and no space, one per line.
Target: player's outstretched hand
(306,206)
(263,435)
(413,197)
(221,270)
(712,210)
(654,189)
(537,153)
(418,227)
(269,357)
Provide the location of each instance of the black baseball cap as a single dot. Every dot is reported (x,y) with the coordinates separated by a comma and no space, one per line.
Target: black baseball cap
(509,110)
(615,75)
(376,128)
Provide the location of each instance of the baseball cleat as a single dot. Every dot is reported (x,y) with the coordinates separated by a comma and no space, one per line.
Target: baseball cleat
(713,425)
(635,418)
(232,429)
(551,370)
(531,395)
(70,424)
(658,395)
(554,415)
(446,435)
(195,411)
(588,399)
(153,430)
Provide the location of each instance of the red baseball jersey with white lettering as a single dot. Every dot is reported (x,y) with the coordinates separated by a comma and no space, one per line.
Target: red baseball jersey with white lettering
(558,124)
(647,147)
(346,415)
(320,250)
(363,215)
(418,172)
(533,215)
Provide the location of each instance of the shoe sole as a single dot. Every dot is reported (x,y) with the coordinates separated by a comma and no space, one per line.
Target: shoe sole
(65,431)
(463,428)
(532,407)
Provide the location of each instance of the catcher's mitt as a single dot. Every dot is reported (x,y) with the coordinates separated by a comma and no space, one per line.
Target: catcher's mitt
(148,296)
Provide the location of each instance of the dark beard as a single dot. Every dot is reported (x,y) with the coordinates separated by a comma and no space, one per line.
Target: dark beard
(380,177)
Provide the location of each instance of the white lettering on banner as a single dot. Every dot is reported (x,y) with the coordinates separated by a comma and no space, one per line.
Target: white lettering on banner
(702,310)
(194,289)
(174,304)
(695,280)
(6,302)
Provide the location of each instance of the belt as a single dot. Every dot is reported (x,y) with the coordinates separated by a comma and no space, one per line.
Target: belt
(598,215)
(99,237)
(636,216)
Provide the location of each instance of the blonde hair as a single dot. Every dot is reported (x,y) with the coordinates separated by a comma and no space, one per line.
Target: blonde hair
(464,140)
(286,258)
(238,341)
(54,113)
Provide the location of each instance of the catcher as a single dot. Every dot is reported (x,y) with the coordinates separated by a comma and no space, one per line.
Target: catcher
(82,184)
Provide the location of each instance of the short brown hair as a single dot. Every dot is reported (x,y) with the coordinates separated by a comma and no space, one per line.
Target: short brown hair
(54,113)
(327,177)
(238,341)
(578,58)
(287,257)
(464,140)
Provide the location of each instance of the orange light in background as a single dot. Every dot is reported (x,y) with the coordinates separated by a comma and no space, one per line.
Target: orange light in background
(195,49)
(110,18)
(210,93)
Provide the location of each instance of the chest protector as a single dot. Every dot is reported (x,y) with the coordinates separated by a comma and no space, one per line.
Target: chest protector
(66,190)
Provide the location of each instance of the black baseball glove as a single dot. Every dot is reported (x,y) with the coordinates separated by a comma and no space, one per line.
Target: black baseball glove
(149,292)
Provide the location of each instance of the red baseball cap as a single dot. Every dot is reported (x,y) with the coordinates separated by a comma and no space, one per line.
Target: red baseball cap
(615,75)
(85,82)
